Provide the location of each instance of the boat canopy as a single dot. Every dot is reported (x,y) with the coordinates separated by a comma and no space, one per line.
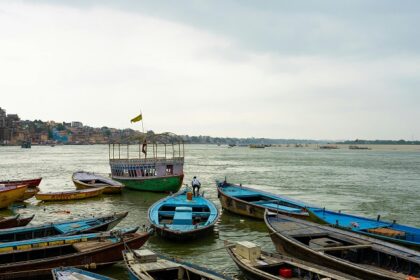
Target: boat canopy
(148,155)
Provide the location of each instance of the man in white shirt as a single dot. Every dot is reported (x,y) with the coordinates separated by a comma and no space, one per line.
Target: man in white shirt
(196,184)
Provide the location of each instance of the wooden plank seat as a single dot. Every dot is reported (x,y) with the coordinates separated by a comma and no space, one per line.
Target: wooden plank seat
(90,245)
(183,216)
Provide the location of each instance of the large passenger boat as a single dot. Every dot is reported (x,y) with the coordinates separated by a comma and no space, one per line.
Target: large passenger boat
(154,163)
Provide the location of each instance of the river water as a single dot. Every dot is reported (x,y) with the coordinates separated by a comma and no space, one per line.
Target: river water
(384,180)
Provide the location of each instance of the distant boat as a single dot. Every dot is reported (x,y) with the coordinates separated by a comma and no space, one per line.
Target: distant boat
(354,147)
(157,166)
(147,265)
(69,195)
(72,273)
(9,194)
(257,146)
(182,216)
(14,221)
(253,203)
(85,180)
(257,264)
(26,144)
(36,257)
(328,147)
(349,252)
(386,230)
(67,227)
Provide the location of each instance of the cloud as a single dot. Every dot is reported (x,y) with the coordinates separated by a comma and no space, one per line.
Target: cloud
(99,64)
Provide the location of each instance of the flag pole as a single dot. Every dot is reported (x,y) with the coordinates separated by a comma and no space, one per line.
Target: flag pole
(142,127)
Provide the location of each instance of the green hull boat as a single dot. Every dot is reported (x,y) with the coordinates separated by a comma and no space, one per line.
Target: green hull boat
(160,184)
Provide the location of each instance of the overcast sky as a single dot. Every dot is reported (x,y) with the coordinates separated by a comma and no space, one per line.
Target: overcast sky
(278,69)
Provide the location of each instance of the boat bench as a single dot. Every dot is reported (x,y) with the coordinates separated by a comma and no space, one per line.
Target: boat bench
(183,216)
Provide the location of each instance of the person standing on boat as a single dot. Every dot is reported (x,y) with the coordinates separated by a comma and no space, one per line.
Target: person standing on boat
(196,184)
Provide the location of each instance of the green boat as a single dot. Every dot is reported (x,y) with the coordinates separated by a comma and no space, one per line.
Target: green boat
(154,162)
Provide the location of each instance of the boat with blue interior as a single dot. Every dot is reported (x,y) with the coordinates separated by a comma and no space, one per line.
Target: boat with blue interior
(390,231)
(349,252)
(69,227)
(183,216)
(33,259)
(72,273)
(253,203)
(153,162)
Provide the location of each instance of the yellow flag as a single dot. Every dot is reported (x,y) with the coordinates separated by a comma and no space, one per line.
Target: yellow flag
(137,119)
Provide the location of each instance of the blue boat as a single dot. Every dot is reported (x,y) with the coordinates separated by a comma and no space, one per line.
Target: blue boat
(69,227)
(182,216)
(389,231)
(253,203)
(66,273)
(58,240)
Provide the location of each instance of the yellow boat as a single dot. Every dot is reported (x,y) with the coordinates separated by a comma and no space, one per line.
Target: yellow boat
(30,192)
(86,180)
(9,194)
(69,195)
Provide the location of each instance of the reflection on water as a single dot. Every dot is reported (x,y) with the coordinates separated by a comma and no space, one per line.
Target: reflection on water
(384,180)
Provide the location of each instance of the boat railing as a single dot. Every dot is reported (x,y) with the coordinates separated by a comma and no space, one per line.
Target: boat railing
(136,161)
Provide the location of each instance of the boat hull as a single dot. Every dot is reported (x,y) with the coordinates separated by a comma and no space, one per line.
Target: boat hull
(288,246)
(362,225)
(182,236)
(244,208)
(31,183)
(15,221)
(254,271)
(69,195)
(107,189)
(29,193)
(11,194)
(152,184)
(105,255)
(71,227)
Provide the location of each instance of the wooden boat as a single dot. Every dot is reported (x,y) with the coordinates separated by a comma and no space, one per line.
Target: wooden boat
(14,221)
(348,252)
(160,169)
(85,180)
(253,203)
(29,193)
(260,265)
(29,262)
(69,195)
(9,194)
(69,227)
(147,265)
(182,216)
(72,273)
(389,231)
(30,182)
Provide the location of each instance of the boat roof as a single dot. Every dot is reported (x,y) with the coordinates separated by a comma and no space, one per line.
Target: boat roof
(87,176)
